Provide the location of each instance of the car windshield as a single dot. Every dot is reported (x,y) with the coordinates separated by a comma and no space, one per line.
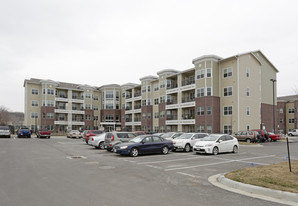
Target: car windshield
(167,135)
(209,138)
(136,139)
(185,136)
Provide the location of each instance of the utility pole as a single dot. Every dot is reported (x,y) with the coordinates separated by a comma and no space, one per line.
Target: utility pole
(273,81)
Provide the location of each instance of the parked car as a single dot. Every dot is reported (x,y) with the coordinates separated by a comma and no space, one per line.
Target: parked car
(113,138)
(97,141)
(137,133)
(24,132)
(294,132)
(263,134)
(4,131)
(91,133)
(144,144)
(187,140)
(248,136)
(43,133)
(273,137)
(74,134)
(172,135)
(159,134)
(217,143)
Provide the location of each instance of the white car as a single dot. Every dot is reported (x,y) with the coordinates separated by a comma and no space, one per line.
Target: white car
(217,143)
(97,141)
(294,132)
(187,140)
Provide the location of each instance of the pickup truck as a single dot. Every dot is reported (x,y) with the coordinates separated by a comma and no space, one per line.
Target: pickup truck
(43,133)
(294,132)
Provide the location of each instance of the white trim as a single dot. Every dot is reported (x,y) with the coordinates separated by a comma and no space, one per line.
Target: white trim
(238,96)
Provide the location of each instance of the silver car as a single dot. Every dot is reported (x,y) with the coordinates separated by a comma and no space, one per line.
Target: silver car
(113,138)
(4,131)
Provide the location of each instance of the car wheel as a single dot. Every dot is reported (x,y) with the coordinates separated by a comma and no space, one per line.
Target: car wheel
(215,151)
(291,135)
(248,140)
(101,145)
(165,150)
(173,149)
(187,148)
(29,136)
(269,139)
(235,149)
(134,152)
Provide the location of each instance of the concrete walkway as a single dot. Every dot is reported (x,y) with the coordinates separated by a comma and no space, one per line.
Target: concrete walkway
(282,197)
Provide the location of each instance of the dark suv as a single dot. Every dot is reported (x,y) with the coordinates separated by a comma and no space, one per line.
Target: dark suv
(24,132)
(113,138)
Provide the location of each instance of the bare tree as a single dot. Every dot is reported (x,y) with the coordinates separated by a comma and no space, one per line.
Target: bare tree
(4,115)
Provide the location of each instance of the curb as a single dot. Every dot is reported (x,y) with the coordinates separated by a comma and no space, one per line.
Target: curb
(282,197)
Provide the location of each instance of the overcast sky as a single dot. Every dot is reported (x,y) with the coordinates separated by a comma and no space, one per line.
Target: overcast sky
(100,42)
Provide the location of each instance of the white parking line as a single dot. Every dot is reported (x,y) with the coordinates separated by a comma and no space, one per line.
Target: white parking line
(182,173)
(189,167)
(174,160)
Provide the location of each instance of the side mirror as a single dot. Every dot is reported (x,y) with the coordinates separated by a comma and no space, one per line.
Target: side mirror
(192,138)
(220,141)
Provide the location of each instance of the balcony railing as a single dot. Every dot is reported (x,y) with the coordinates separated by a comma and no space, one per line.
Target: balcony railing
(172,101)
(128,120)
(188,81)
(138,119)
(172,117)
(188,116)
(128,108)
(188,99)
(60,107)
(172,86)
(137,94)
(128,96)
(137,107)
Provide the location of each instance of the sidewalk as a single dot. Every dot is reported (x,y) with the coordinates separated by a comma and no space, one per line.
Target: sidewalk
(282,197)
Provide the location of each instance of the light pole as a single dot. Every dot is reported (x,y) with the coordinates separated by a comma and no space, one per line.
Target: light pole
(273,81)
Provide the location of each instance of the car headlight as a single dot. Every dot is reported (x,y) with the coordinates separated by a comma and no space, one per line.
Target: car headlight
(123,147)
(208,145)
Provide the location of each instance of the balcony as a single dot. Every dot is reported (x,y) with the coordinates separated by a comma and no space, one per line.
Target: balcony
(188,81)
(172,117)
(188,116)
(171,101)
(128,96)
(137,94)
(137,119)
(137,107)
(188,99)
(128,108)
(128,120)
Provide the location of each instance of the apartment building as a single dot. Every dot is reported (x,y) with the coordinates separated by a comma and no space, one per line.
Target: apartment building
(215,95)
(286,113)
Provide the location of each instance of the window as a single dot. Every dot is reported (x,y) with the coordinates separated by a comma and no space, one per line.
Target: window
(50,127)
(247,110)
(200,74)
(162,84)
(149,115)
(149,88)
(34,115)
(143,115)
(200,92)
(209,110)
(228,110)
(281,110)
(43,91)
(156,101)
(50,115)
(209,129)
(162,99)
(162,114)
(88,117)
(247,127)
(95,107)
(35,91)
(247,72)
(156,115)
(200,128)
(291,110)
(109,118)
(155,128)
(95,97)
(228,129)
(291,121)
(88,106)
(109,106)
(228,72)
(109,94)
(148,101)
(228,91)
(143,89)
(143,102)
(247,92)
(156,87)
(34,103)
(95,118)
(200,111)
(43,115)
(209,72)
(51,91)
(209,91)
(50,103)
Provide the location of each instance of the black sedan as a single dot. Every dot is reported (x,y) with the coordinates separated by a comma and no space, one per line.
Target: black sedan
(144,144)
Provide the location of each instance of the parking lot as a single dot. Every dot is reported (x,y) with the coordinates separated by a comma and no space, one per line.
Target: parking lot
(74,173)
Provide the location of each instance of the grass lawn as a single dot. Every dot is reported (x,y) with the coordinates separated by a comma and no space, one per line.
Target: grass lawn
(276,176)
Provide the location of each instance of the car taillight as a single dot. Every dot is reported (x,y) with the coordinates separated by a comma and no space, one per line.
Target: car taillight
(112,139)
(92,139)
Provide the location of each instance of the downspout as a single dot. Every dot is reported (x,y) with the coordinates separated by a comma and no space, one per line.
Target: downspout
(238,87)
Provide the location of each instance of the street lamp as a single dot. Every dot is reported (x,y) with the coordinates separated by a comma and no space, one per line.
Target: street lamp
(273,81)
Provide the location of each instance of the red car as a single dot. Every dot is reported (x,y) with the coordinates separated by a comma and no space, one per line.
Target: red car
(89,133)
(273,137)
(43,133)
(137,133)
